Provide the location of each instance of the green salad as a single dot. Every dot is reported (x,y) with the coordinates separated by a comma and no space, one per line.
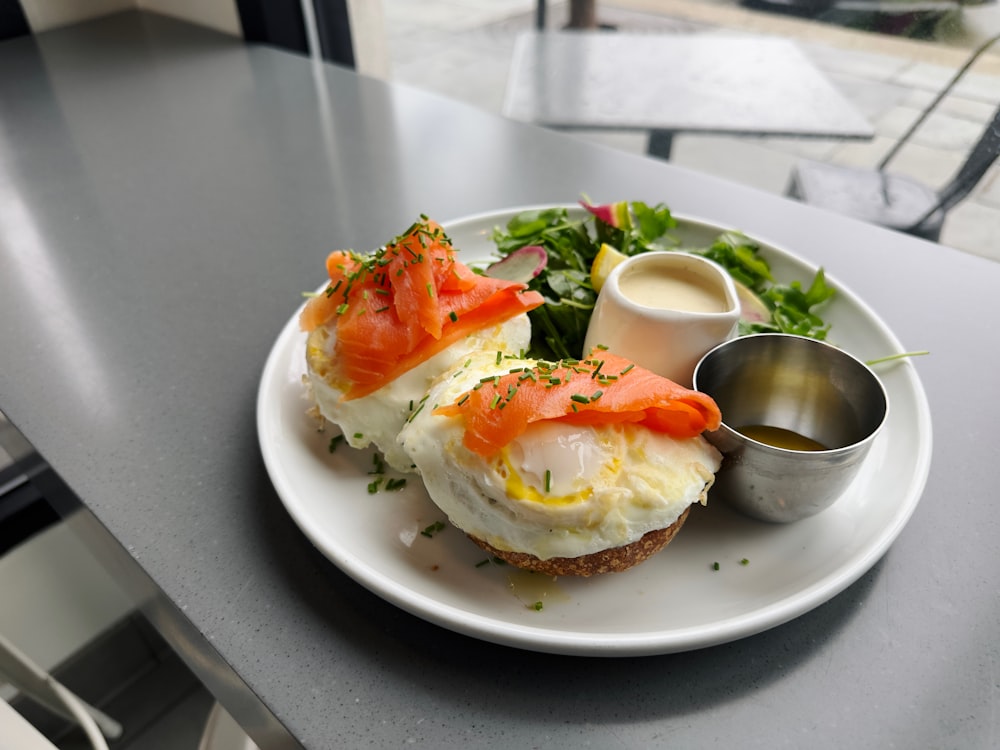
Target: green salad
(571,246)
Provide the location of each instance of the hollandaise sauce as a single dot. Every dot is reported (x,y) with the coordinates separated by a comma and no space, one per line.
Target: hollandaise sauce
(673,289)
(779,437)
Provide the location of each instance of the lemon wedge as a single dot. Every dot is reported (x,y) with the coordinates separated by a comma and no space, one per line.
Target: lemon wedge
(604,262)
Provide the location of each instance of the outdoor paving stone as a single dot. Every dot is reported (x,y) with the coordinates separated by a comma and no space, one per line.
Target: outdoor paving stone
(926,76)
(988,190)
(939,130)
(979,86)
(928,165)
(739,159)
(818,149)
(934,78)
(974,228)
(862,153)
(630,142)
(873,66)
(462,72)
(972,110)
(872,97)
(453,16)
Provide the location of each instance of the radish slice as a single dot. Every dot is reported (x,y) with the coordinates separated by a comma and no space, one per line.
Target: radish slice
(521,266)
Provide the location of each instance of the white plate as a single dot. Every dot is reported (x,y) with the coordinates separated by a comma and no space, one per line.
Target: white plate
(674,602)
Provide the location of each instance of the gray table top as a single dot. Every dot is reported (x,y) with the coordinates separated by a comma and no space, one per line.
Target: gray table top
(706,83)
(166,194)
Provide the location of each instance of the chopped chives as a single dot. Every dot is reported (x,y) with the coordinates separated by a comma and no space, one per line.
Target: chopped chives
(454,316)
(433,529)
(580,398)
(548,480)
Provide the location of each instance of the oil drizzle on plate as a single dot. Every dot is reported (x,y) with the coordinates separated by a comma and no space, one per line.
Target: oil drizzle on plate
(533,588)
(779,437)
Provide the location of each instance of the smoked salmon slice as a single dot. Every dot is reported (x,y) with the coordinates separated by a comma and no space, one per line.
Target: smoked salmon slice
(599,390)
(404,303)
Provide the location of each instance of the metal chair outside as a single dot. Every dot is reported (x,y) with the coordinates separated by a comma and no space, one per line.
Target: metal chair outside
(895,201)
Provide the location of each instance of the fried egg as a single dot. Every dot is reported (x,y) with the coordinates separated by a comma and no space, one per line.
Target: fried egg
(559,489)
(376,419)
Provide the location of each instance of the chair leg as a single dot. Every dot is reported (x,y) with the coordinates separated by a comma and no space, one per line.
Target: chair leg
(793,190)
(660,144)
(30,679)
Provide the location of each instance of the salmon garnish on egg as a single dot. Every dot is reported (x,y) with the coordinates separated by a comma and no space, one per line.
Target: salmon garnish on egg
(390,322)
(601,389)
(404,303)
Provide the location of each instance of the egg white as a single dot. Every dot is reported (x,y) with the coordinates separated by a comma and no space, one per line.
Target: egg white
(376,419)
(559,490)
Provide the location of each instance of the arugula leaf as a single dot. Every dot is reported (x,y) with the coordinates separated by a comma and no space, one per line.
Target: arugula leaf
(792,308)
(739,255)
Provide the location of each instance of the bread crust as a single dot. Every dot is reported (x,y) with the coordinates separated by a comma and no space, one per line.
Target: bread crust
(613,560)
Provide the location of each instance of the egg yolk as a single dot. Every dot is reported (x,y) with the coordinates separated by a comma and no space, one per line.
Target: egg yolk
(555,464)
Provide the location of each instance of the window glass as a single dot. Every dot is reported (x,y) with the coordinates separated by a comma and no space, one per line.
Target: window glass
(888,59)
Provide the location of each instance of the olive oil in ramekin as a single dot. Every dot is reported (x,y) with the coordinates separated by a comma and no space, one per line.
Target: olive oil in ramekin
(779,437)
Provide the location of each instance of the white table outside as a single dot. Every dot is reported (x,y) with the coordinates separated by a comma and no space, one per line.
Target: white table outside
(667,84)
